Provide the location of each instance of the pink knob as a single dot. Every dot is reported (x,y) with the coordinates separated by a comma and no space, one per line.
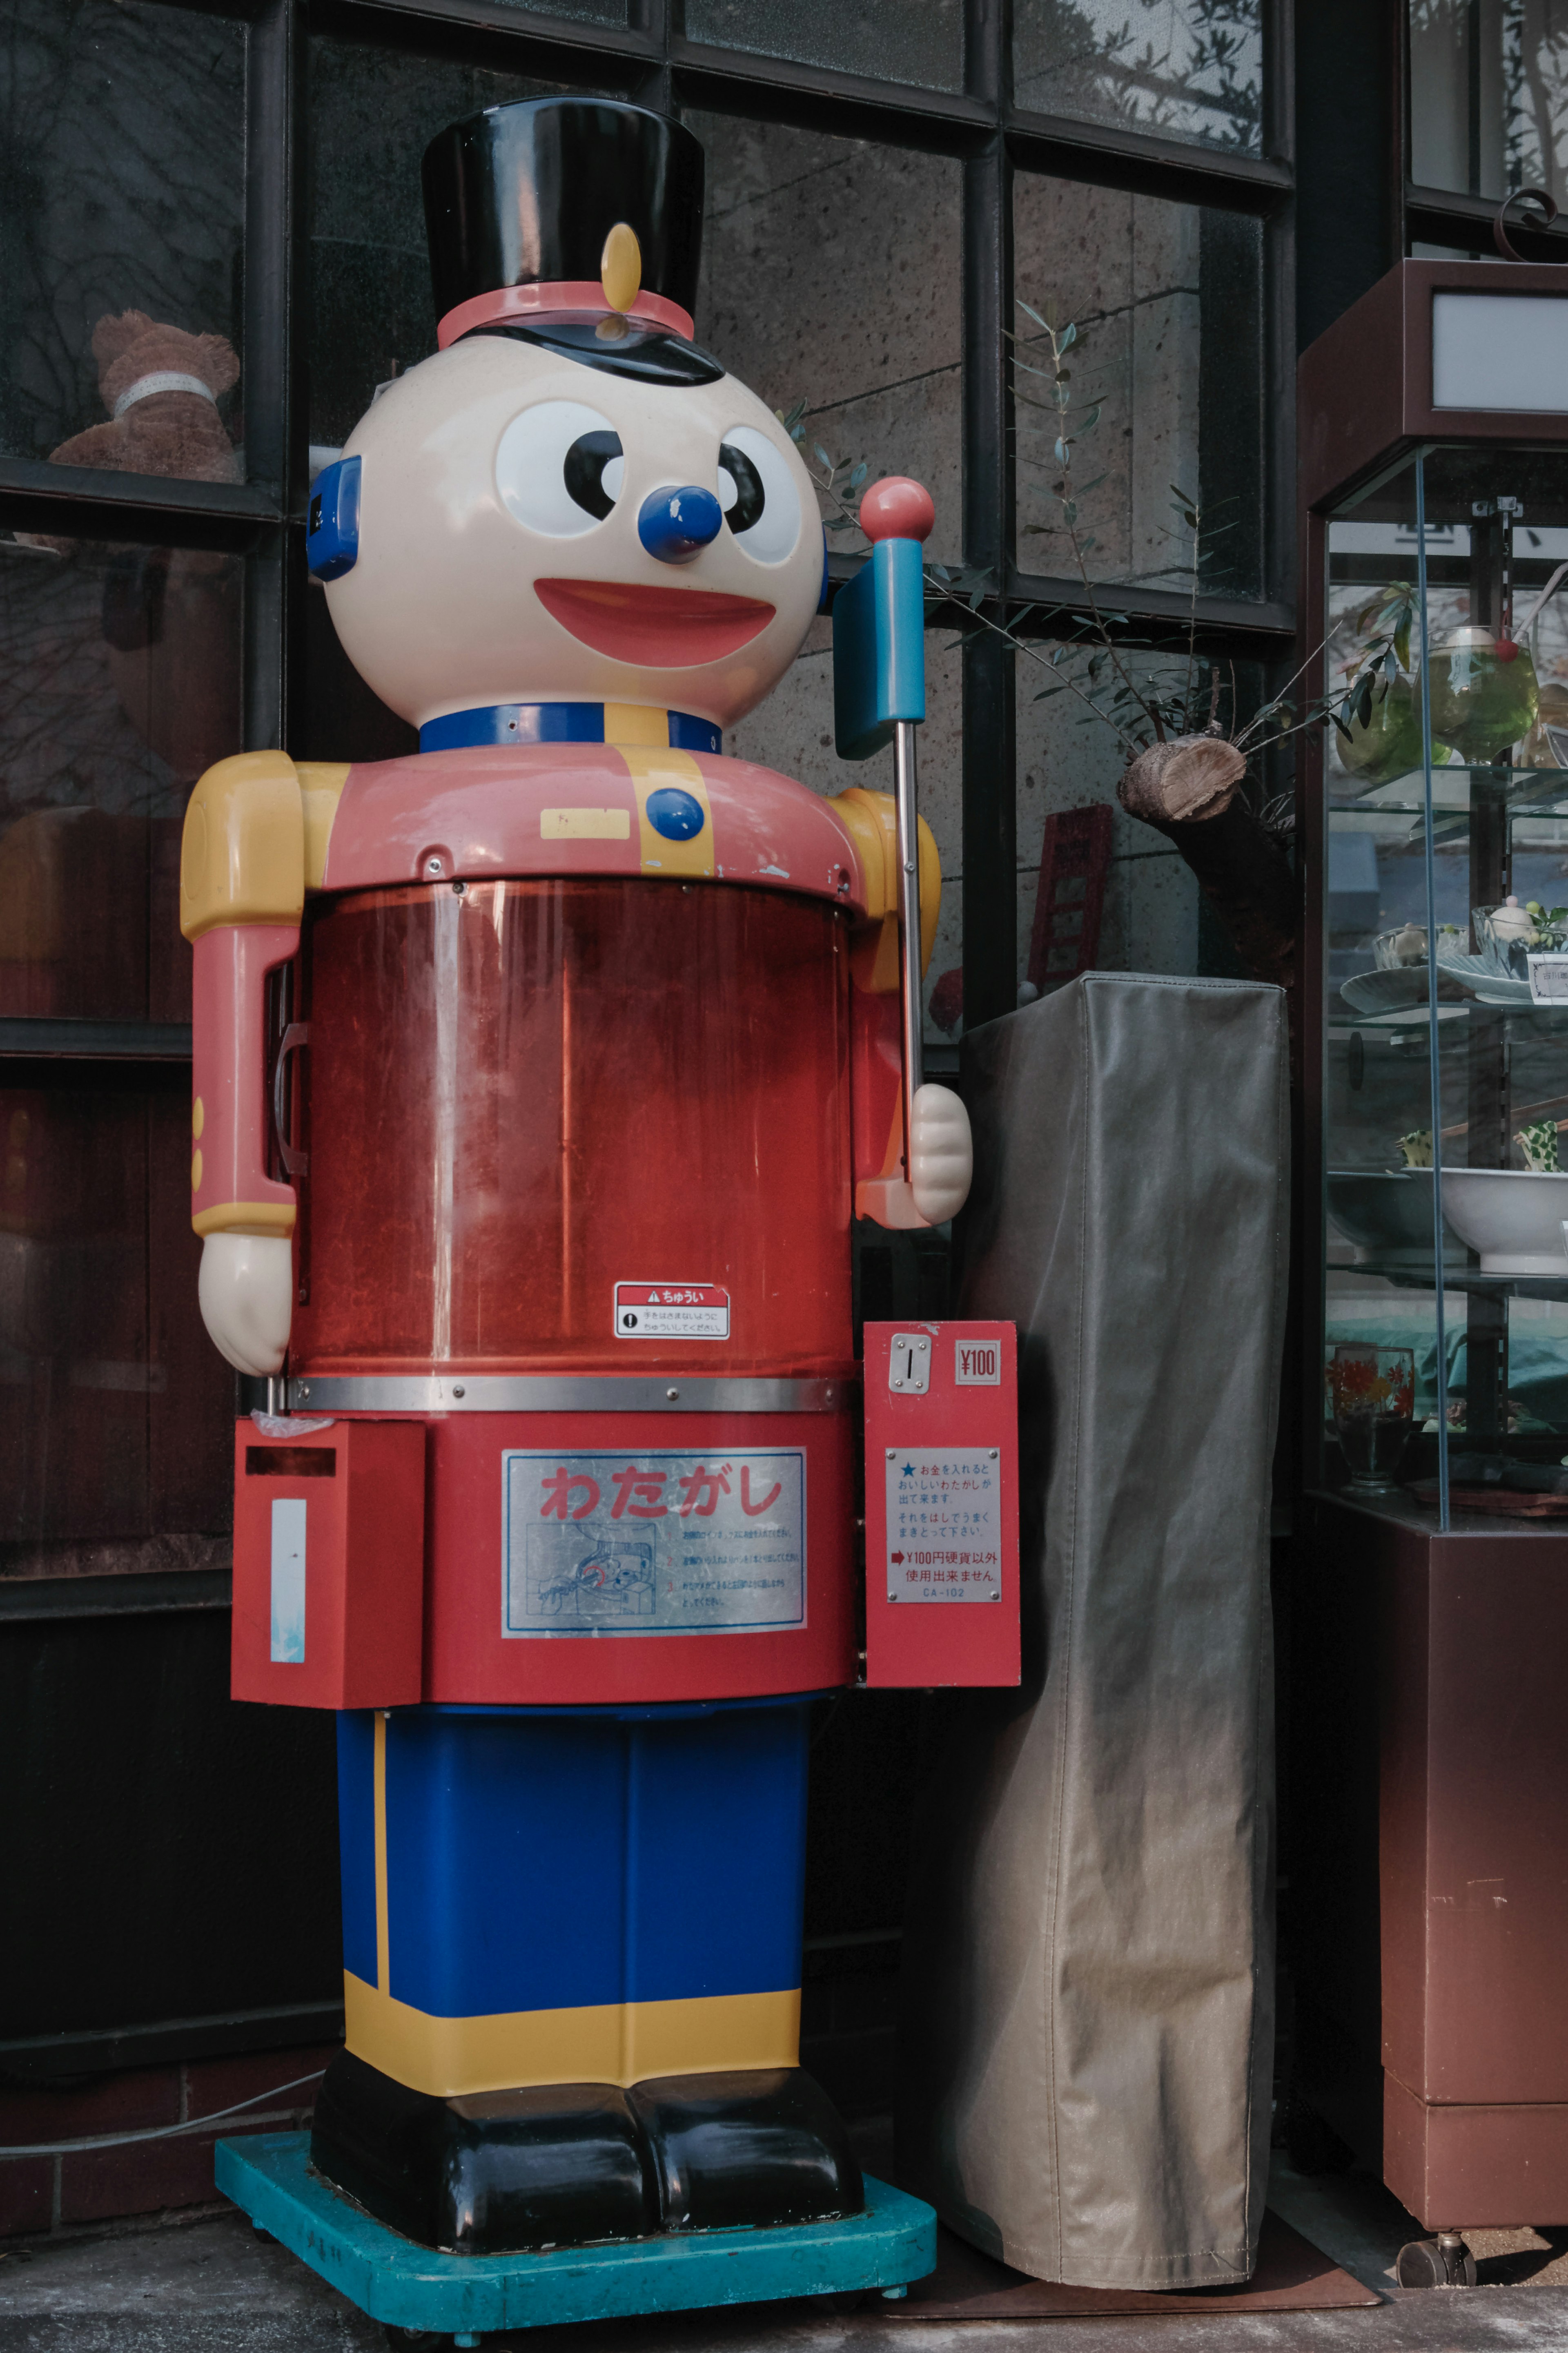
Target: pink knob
(897,508)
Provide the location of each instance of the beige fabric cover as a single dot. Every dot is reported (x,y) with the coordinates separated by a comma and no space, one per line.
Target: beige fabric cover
(1088,1982)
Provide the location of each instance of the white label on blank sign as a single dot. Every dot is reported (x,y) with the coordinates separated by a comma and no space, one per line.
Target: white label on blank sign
(1549,979)
(1500,352)
(944,1524)
(289,1581)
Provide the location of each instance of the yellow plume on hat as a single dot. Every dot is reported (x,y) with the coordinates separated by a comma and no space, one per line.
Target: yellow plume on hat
(620,266)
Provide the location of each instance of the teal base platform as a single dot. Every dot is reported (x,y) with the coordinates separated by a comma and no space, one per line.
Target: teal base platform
(468,2297)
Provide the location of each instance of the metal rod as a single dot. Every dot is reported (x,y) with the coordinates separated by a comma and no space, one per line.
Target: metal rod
(1434,1072)
(1533,615)
(907,792)
(989,850)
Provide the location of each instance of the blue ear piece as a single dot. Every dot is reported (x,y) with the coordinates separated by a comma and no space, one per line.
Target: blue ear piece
(331,534)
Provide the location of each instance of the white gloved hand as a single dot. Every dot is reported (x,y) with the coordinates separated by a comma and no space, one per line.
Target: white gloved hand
(246,1294)
(942,1153)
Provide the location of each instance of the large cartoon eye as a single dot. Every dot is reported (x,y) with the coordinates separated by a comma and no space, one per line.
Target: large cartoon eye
(559,467)
(757,492)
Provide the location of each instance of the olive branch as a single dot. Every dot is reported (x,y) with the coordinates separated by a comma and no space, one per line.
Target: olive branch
(1086,659)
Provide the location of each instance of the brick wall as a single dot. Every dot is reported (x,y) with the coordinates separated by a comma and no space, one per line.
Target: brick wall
(846,2040)
(84,2186)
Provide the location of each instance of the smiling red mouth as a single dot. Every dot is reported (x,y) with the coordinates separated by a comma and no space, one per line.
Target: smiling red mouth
(657,629)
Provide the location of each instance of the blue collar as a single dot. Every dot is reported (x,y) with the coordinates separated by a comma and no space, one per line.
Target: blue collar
(552,722)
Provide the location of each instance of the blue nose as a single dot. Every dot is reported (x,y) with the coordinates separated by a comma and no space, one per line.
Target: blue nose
(675,525)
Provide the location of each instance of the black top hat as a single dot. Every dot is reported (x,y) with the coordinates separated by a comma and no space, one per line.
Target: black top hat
(528,195)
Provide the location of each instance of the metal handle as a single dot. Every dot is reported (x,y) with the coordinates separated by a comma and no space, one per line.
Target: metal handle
(1538,203)
(297,1034)
(907,795)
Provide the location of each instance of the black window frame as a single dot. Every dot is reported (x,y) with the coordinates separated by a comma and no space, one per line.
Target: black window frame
(1448,217)
(654,63)
(263,522)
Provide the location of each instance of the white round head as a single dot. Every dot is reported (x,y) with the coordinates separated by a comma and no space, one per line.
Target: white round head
(535,529)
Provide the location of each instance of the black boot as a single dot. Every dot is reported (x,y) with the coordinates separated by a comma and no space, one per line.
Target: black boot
(751,2148)
(554,2165)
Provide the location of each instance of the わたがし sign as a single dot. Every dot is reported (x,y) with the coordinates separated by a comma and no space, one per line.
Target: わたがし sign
(661,1542)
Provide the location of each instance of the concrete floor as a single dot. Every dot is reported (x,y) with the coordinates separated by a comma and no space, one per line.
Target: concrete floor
(206,2283)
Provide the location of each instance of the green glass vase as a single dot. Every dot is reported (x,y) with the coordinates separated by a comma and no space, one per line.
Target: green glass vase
(1389,744)
(1481,701)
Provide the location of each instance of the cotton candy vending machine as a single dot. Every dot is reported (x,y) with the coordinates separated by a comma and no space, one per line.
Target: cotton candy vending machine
(538,1079)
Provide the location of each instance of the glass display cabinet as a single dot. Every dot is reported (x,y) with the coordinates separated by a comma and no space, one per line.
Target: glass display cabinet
(1434,1557)
(1445,1066)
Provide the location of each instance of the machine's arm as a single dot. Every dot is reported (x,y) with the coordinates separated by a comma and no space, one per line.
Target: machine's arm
(923,1176)
(242,888)
(877,1027)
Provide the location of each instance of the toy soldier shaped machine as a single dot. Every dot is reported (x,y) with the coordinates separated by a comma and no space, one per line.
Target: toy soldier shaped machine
(1433,1906)
(537,1078)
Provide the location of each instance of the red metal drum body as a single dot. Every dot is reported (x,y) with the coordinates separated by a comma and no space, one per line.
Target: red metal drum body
(524,1093)
(519,1094)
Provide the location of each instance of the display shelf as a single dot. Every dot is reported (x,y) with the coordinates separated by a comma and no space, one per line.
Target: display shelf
(1449,779)
(1421,1516)
(1431,1580)
(1408,1277)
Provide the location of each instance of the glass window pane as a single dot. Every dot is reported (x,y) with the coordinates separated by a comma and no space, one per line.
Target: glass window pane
(1379,1276)
(1151,917)
(1165,381)
(372,113)
(918,41)
(337,716)
(830,275)
(1147,65)
(1489,95)
(119,683)
(124,129)
(115,1408)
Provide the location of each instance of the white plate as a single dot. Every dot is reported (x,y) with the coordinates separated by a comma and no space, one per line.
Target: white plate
(1475,973)
(1386,992)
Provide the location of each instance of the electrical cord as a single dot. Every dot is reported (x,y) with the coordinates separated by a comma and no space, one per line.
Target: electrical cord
(156,2132)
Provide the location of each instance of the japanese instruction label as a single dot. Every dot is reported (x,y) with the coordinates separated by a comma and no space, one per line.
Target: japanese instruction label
(654,1543)
(944,1524)
(672,1311)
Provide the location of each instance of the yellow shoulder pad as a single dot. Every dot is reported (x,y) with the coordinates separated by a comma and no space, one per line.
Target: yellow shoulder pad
(930,892)
(321,785)
(242,859)
(871,821)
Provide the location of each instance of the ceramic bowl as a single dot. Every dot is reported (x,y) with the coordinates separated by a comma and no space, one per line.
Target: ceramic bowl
(1388,1215)
(1506,936)
(1512,1217)
(1405,947)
